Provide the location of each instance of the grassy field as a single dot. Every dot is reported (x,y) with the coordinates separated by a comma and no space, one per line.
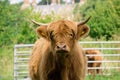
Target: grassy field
(114,76)
(6,63)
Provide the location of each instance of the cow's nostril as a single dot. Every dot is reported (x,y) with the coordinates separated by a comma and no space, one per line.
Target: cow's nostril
(58,47)
(64,46)
(61,47)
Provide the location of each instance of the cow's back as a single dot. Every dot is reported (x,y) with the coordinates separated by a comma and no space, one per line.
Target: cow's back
(98,53)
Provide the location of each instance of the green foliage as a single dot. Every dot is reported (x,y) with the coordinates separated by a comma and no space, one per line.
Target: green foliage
(105,20)
(15,25)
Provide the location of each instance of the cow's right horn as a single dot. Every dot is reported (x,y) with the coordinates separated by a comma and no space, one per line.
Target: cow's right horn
(37,23)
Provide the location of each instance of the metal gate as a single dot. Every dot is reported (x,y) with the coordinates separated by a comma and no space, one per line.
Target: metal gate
(110,53)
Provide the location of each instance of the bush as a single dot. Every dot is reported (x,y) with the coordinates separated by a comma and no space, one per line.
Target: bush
(105,20)
(15,25)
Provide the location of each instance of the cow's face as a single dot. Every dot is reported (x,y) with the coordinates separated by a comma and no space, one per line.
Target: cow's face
(63,34)
(90,55)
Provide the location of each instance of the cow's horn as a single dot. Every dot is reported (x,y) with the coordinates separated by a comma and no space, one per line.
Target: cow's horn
(83,22)
(37,23)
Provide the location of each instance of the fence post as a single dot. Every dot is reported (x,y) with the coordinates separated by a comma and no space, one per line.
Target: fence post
(15,72)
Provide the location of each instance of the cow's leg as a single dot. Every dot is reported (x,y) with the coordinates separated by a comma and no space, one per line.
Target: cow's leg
(33,74)
(89,71)
(93,72)
(98,70)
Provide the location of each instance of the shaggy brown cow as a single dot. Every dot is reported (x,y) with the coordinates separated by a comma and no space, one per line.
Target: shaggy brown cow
(91,57)
(57,54)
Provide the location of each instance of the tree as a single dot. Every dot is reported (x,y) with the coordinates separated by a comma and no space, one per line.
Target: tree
(105,17)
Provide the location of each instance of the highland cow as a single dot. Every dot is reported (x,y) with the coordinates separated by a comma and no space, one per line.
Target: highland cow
(57,55)
(94,55)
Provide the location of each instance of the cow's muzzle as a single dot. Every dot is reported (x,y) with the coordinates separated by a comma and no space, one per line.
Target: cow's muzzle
(62,48)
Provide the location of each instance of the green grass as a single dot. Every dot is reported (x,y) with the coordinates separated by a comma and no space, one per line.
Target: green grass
(7,58)
(6,63)
(113,76)
(6,67)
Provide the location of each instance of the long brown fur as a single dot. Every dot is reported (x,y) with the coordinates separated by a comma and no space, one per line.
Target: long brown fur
(46,64)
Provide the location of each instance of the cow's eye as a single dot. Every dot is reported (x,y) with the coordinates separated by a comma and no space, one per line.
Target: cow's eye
(71,35)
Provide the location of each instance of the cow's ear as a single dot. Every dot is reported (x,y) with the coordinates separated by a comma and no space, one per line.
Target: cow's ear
(82,30)
(42,31)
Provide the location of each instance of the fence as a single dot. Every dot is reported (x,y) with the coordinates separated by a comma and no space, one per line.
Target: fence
(110,53)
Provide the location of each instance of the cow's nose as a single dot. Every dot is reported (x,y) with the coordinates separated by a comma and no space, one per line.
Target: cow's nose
(61,47)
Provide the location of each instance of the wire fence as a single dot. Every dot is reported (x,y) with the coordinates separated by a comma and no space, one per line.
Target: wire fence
(110,54)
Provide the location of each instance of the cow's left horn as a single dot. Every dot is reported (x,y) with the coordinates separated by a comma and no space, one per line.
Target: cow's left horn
(37,23)
(83,22)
